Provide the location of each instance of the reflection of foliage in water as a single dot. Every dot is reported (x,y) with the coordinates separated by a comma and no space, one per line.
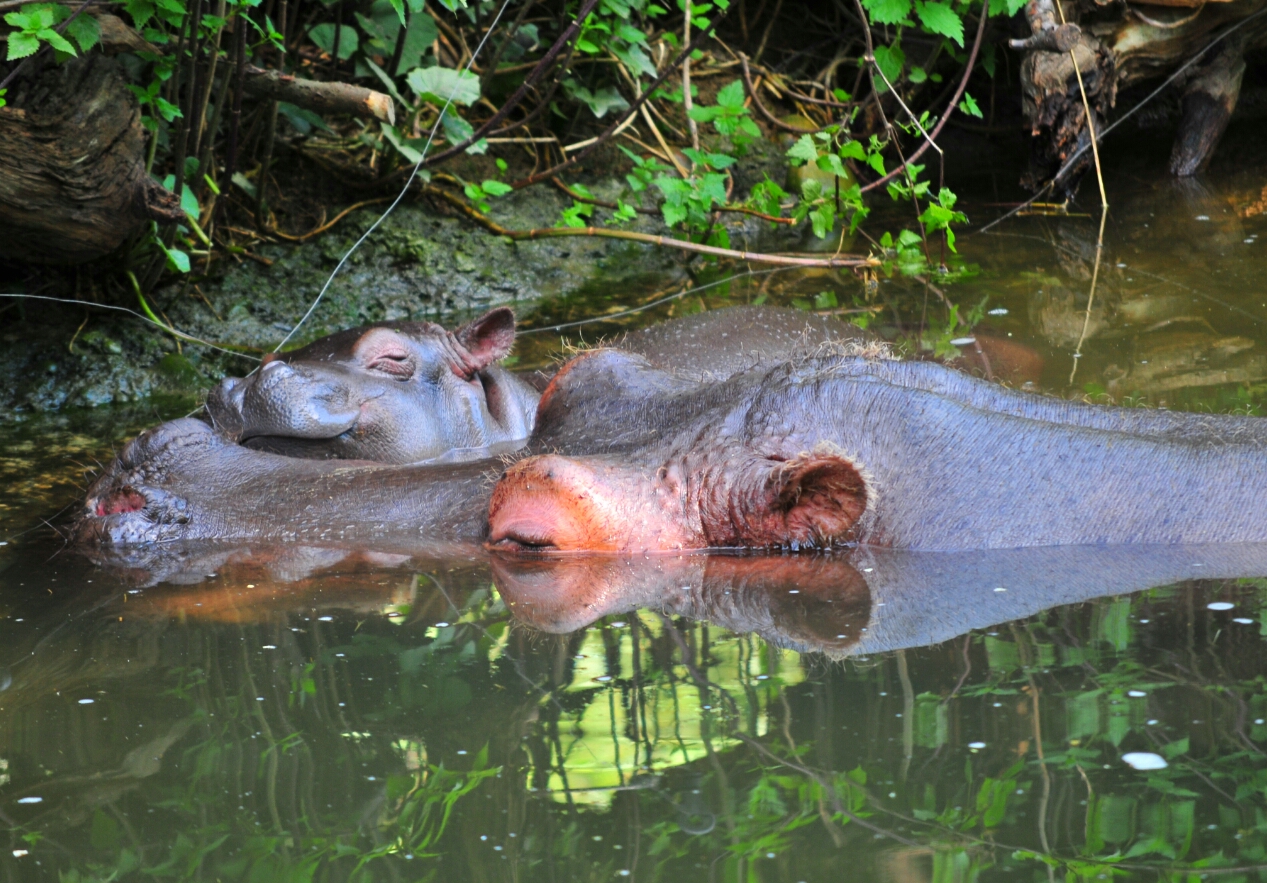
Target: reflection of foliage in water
(666,748)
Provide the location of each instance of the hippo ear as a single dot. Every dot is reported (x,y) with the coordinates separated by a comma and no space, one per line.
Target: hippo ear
(812,500)
(489,338)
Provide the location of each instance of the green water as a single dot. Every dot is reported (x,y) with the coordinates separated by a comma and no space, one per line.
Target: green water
(225,714)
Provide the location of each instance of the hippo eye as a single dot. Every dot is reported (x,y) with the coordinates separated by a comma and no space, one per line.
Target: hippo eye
(397,364)
(515,541)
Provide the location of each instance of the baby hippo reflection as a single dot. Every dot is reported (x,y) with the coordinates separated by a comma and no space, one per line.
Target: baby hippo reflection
(803,602)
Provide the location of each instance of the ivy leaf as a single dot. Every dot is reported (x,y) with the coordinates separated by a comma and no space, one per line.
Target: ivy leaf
(438,84)
(969,106)
(804,149)
(21,45)
(939,18)
(888,12)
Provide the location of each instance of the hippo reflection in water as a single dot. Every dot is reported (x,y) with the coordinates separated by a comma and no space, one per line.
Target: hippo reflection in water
(865,600)
(817,451)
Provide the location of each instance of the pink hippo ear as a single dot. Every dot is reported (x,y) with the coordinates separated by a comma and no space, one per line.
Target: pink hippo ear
(812,500)
(489,338)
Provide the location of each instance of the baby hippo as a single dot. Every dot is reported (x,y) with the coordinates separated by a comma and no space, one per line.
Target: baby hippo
(404,393)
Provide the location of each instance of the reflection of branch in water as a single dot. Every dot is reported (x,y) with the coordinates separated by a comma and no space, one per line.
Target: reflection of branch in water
(1095,277)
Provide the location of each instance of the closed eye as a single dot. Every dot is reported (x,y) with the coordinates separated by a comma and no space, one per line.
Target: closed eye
(398,365)
(515,541)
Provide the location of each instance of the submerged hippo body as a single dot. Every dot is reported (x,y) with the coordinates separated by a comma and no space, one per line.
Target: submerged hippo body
(902,454)
(821,450)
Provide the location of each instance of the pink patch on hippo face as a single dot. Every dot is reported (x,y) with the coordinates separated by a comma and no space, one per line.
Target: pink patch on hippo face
(120,503)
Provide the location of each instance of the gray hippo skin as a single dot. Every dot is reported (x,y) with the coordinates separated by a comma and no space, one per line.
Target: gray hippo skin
(830,450)
(409,392)
(397,393)
(823,450)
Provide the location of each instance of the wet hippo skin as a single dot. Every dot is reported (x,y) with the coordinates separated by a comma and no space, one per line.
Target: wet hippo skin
(396,393)
(819,451)
(411,392)
(837,449)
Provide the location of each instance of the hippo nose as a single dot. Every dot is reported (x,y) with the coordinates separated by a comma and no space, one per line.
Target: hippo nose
(275,366)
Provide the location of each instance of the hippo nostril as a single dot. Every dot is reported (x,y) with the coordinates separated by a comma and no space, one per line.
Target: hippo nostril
(120,503)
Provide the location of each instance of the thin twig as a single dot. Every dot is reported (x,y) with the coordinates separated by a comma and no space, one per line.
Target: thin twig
(648,238)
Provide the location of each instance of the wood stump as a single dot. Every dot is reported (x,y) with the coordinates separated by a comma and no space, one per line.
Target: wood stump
(73,185)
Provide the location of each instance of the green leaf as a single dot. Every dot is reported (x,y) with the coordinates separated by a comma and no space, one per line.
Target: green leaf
(409,148)
(323,36)
(804,149)
(732,96)
(57,41)
(969,106)
(598,101)
(496,188)
(86,31)
(1006,7)
(399,7)
(939,18)
(1171,750)
(890,60)
(188,201)
(852,150)
(876,161)
(888,12)
(21,45)
(440,84)
(177,260)
(917,75)
(830,162)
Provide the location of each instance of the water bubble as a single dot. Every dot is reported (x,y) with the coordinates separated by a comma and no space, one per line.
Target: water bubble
(963,341)
(461,751)
(1203,217)
(326,618)
(86,701)
(999,589)
(620,624)
(1136,693)
(30,800)
(1220,605)
(270,646)
(1144,760)
(442,625)
(997,311)
(976,745)
(18,853)
(1244,620)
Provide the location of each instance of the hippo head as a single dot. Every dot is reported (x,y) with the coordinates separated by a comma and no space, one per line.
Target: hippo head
(397,393)
(704,500)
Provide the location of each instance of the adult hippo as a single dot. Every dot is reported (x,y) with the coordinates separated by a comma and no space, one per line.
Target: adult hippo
(411,392)
(834,450)
(826,449)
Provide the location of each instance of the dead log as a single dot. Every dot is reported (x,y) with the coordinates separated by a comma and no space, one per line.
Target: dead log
(1208,102)
(1146,41)
(319,97)
(73,186)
